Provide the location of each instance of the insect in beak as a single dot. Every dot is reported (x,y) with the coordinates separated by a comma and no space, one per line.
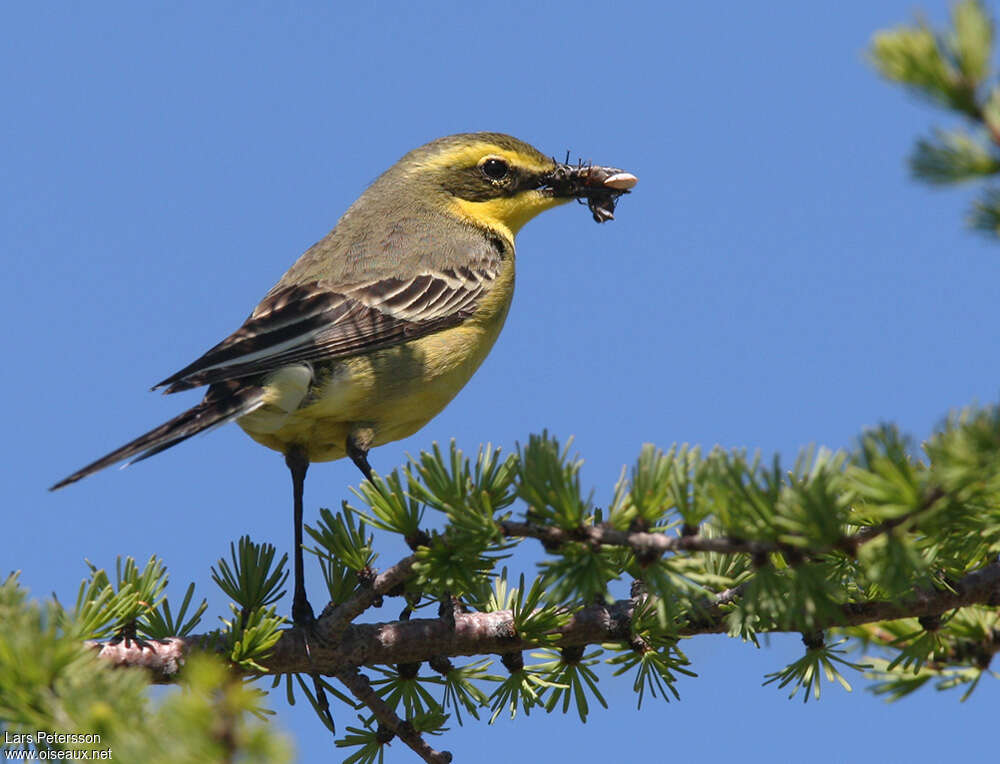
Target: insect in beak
(599,187)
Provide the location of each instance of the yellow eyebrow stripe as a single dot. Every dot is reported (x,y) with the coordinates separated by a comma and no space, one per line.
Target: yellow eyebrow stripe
(469,156)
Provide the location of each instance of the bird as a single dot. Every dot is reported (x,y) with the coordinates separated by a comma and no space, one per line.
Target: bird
(377,326)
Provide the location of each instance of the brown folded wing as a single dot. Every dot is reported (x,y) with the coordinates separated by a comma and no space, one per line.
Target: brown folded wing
(311,322)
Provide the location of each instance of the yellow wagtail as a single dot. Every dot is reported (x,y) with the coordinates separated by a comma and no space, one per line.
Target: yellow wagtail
(379,324)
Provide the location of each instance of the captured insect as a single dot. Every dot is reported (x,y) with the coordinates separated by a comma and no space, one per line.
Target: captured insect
(598,187)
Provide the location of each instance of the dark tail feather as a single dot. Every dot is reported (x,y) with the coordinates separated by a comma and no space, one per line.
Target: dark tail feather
(219,407)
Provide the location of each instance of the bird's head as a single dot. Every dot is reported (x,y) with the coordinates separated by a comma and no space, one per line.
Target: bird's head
(499,181)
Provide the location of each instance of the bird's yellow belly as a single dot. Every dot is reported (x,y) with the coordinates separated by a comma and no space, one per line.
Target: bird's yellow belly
(388,394)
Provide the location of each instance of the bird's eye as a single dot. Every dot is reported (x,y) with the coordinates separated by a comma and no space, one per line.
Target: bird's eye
(495,169)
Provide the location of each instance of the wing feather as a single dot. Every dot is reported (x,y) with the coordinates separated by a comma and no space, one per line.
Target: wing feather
(313,322)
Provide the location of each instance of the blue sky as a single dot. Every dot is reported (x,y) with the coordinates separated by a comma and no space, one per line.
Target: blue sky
(775,280)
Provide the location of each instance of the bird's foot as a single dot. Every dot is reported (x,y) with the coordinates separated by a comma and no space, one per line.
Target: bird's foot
(304,618)
(302,613)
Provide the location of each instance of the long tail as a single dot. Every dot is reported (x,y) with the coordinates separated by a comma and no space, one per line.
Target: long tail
(221,404)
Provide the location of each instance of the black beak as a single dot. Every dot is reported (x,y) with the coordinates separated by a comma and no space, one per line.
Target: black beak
(599,186)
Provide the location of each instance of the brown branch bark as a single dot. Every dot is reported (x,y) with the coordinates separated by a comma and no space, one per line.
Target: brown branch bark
(472,634)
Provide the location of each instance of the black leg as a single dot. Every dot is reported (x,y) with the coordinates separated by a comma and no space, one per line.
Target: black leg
(302,612)
(359,455)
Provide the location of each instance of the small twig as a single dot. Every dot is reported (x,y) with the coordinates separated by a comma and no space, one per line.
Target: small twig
(362,689)
(649,546)
(643,544)
(332,625)
(871,532)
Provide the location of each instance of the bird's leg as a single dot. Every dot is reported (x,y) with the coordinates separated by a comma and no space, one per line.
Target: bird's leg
(302,612)
(357,449)
(298,463)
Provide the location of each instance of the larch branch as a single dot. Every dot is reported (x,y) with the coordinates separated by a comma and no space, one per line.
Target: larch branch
(471,634)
